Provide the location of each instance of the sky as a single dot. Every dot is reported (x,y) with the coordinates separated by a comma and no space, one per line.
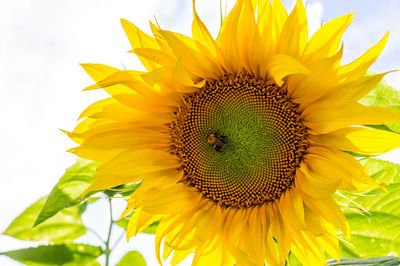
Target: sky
(42,43)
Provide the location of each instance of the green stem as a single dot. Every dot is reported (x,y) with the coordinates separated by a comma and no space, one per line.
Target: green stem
(108,251)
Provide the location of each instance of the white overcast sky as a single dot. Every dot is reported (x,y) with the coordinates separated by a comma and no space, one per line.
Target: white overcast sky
(43,41)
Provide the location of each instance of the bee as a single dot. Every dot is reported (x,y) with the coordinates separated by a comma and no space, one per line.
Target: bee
(217,142)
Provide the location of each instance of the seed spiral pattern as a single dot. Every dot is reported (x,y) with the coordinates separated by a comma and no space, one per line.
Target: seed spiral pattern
(239,140)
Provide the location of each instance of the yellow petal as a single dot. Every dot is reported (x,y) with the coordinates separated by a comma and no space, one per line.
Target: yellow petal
(282,65)
(97,106)
(282,233)
(146,104)
(180,255)
(280,16)
(123,138)
(176,198)
(326,41)
(212,258)
(139,39)
(182,81)
(266,26)
(327,116)
(200,66)
(328,209)
(136,37)
(156,56)
(355,90)
(98,71)
(291,208)
(305,89)
(306,245)
(119,82)
(330,244)
(162,43)
(324,168)
(352,172)
(360,139)
(159,76)
(201,34)
(163,228)
(228,38)
(139,221)
(315,184)
(129,166)
(357,69)
(248,38)
(313,222)
(294,35)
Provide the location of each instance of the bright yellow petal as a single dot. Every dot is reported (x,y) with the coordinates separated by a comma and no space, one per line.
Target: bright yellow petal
(176,198)
(114,138)
(280,16)
(129,166)
(281,233)
(156,56)
(328,209)
(98,71)
(291,208)
(314,184)
(324,117)
(146,104)
(227,38)
(139,221)
(357,69)
(136,37)
(355,90)
(97,106)
(182,81)
(294,35)
(305,89)
(306,245)
(346,166)
(200,66)
(201,34)
(360,139)
(326,41)
(266,26)
(330,244)
(139,39)
(247,38)
(313,222)
(282,65)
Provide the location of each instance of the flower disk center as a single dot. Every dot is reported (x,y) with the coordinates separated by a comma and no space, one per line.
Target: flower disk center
(239,140)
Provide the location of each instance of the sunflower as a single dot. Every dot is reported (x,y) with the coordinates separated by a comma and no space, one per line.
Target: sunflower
(241,141)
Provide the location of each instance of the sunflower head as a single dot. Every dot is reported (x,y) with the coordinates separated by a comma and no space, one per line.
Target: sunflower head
(240,141)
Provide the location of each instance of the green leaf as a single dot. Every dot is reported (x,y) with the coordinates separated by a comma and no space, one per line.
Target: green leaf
(125,190)
(384,95)
(132,258)
(84,254)
(293,260)
(151,229)
(374,235)
(123,222)
(377,232)
(67,192)
(381,261)
(63,254)
(64,226)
